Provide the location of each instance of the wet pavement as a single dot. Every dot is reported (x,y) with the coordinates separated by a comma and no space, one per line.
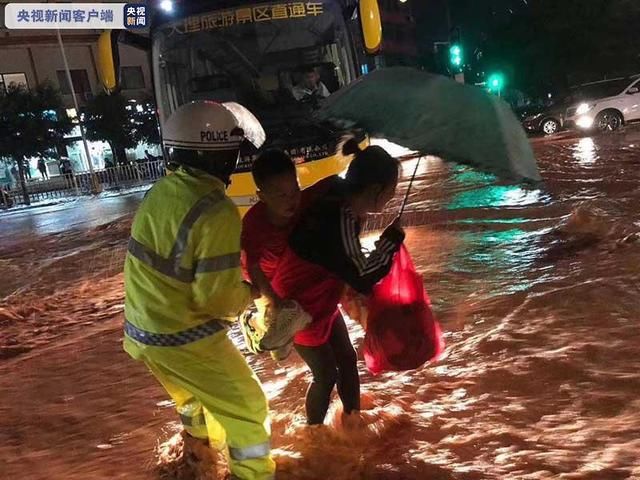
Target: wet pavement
(76,213)
(537,288)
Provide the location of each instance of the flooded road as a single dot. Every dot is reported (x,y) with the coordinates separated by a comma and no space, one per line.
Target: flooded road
(75,213)
(537,288)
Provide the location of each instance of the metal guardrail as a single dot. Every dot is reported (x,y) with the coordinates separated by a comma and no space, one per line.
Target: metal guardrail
(69,185)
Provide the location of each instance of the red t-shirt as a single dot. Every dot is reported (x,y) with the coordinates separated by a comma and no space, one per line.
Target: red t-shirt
(267,244)
(264,243)
(315,289)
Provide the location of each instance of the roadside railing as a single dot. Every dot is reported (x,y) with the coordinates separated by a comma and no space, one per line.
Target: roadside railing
(69,185)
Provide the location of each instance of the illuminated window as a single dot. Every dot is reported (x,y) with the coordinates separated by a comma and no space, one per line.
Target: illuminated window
(8,80)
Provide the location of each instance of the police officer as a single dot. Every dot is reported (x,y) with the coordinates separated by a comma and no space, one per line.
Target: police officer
(183,287)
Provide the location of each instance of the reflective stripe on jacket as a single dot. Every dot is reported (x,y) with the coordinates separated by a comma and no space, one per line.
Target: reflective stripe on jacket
(183,262)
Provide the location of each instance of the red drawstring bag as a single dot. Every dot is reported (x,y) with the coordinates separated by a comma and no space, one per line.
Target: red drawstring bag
(401,330)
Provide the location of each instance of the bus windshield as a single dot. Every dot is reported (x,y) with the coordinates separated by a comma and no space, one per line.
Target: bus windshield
(277,60)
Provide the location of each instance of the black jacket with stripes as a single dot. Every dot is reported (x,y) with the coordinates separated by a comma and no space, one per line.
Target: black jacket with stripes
(328,234)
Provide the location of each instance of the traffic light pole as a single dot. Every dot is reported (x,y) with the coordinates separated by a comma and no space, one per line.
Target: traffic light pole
(448,12)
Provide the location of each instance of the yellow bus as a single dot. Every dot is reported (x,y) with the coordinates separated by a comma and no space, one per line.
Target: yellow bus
(280,59)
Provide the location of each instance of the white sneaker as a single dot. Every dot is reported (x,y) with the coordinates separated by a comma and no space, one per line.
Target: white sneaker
(282,326)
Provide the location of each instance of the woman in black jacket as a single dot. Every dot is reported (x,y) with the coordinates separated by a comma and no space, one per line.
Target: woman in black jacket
(324,255)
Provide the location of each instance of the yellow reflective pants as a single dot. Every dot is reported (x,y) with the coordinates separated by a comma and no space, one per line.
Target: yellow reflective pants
(218,397)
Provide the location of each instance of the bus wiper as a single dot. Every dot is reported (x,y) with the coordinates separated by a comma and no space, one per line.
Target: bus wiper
(243,59)
(273,39)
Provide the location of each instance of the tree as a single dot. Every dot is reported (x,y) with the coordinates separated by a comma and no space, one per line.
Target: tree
(106,119)
(145,122)
(121,123)
(31,122)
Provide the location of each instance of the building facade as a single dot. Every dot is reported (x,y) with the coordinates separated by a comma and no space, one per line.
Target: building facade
(399,43)
(33,57)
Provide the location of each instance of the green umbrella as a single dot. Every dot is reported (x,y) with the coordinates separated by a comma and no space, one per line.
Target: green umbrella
(436,116)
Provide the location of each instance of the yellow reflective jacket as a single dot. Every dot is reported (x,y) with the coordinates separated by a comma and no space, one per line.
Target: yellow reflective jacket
(182,269)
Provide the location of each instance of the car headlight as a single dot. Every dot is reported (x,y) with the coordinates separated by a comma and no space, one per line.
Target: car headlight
(585,122)
(584,108)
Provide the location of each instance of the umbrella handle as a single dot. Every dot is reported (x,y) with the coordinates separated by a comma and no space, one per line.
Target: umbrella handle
(406,196)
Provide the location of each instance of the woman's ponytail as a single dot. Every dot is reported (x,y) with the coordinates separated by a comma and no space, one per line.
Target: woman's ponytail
(350,146)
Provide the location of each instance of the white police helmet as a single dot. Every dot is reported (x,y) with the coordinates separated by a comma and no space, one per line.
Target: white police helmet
(206,126)
(208,135)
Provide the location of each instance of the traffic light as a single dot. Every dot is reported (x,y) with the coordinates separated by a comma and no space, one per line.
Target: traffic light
(495,83)
(455,56)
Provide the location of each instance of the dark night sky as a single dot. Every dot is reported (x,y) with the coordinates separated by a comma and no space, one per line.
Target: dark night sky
(472,16)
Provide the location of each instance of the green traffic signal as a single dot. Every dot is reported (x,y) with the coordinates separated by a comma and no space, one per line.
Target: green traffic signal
(455,55)
(496,82)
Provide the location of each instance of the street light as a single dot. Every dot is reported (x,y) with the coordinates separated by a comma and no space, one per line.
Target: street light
(95,185)
(167,6)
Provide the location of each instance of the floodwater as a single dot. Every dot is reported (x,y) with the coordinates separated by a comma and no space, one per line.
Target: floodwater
(537,289)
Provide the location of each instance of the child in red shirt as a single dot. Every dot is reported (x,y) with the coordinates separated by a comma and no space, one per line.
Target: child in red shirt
(265,232)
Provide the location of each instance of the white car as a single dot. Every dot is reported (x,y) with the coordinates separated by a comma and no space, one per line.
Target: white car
(605,105)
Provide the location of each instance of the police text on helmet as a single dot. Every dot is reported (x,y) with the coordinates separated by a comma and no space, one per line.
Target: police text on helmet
(214,135)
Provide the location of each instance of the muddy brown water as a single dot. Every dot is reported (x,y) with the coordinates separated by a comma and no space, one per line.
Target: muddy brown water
(540,305)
